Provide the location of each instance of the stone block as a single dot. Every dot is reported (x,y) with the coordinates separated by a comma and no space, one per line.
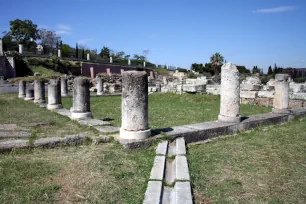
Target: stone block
(153,193)
(264,102)
(162,148)
(266,94)
(298,96)
(249,87)
(296,103)
(180,146)
(157,172)
(182,193)
(248,94)
(213,89)
(192,88)
(182,171)
(250,101)
(267,88)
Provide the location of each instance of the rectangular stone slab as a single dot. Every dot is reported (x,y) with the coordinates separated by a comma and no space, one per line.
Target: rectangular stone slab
(157,172)
(182,171)
(180,148)
(162,148)
(182,193)
(153,193)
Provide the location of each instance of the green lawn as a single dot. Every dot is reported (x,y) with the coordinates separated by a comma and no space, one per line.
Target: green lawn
(84,174)
(17,111)
(166,110)
(44,71)
(266,165)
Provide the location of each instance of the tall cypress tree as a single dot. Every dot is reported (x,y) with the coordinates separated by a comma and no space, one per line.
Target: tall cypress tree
(83,53)
(270,70)
(77,51)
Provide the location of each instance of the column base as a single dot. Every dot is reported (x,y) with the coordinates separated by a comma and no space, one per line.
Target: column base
(281,111)
(29,99)
(64,95)
(100,94)
(229,119)
(80,116)
(54,106)
(39,101)
(21,96)
(134,135)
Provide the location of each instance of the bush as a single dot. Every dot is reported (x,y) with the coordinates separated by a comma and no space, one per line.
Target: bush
(300,79)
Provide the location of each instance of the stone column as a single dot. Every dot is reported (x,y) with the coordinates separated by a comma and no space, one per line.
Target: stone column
(88,56)
(129,62)
(59,53)
(111,60)
(1,48)
(281,96)
(230,94)
(29,93)
(64,86)
(39,91)
(54,95)
(22,89)
(158,87)
(81,99)
(20,49)
(134,105)
(99,85)
(144,64)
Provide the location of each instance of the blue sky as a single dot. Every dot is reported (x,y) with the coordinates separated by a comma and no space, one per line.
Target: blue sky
(177,32)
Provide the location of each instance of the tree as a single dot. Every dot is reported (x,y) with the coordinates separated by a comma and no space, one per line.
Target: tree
(83,54)
(23,31)
(136,57)
(255,70)
(48,39)
(127,57)
(243,69)
(77,51)
(270,70)
(145,54)
(105,52)
(119,55)
(197,67)
(216,60)
(66,50)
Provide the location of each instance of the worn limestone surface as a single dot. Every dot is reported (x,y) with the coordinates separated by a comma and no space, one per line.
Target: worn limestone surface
(64,86)
(230,94)
(54,94)
(134,105)
(81,99)
(22,89)
(99,85)
(281,98)
(39,91)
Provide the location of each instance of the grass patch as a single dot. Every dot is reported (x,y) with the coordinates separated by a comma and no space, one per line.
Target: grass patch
(84,174)
(44,71)
(166,110)
(266,165)
(17,111)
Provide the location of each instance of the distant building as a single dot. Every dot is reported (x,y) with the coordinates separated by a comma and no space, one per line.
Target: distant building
(295,72)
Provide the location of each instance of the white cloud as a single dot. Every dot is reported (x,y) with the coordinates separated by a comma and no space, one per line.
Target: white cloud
(276,9)
(62,32)
(84,41)
(63,29)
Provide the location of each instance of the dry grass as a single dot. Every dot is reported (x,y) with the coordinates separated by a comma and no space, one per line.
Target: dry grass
(85,174)
(262,166)
(17,111)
